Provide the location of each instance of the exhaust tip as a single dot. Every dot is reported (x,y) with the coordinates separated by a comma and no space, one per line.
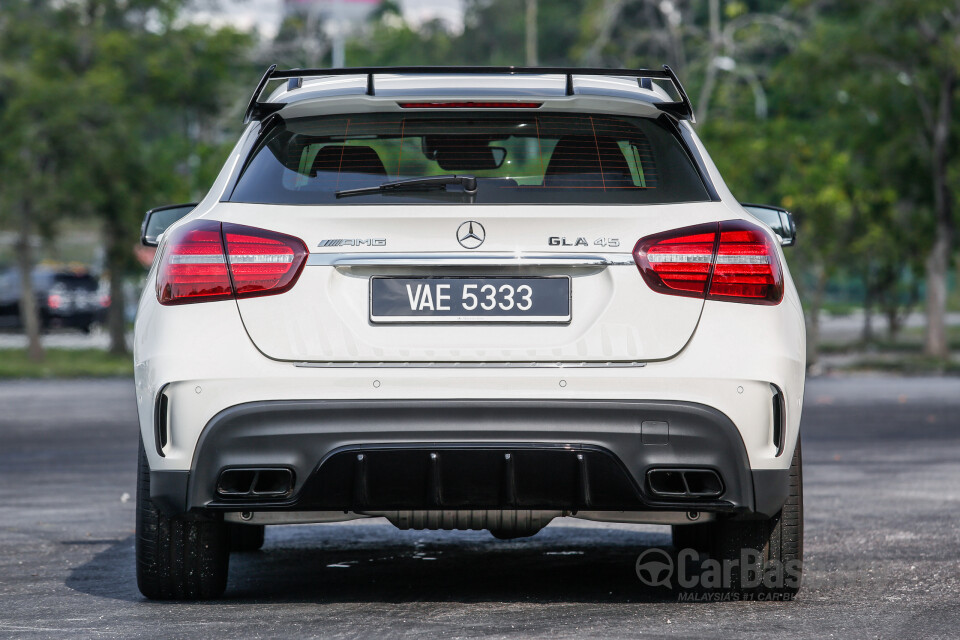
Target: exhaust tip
(255,483)
(685,484)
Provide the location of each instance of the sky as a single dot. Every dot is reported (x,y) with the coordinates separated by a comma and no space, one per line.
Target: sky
(264,15)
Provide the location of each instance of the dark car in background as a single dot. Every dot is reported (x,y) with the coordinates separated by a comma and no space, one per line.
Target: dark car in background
(66,298)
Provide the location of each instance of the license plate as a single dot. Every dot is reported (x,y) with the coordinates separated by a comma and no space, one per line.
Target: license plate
(446,299)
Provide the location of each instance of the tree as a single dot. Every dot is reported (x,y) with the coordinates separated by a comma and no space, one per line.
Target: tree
(783,162)
(109,107)
(866,90)
(151,95)
(392,41)
(37,116)
(496,32)
(702,41)
(912,48)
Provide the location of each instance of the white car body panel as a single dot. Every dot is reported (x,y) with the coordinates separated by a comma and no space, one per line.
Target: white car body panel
(325,317)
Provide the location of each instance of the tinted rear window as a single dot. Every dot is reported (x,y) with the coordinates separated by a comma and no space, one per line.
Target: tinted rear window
(517,158)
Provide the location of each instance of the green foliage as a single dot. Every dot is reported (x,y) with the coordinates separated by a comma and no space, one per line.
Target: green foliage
(112,107)
(493,34)
(110,99)
(64,363)
(494,31)
(852,90)
(394,42)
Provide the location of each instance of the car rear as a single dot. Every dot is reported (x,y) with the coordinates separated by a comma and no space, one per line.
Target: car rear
(580,321)
(72,299)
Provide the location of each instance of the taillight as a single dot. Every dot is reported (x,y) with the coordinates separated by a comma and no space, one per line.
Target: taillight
(678,262)
(747,268)
(733,260)
(262,262)
(53,301)
(196,267)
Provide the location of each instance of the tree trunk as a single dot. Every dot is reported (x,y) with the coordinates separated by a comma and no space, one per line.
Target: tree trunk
(935,343)
(29,313)
(938,262)
(813,318)
(893,324)
(703,104)
(532,53)
(869,298)
(116,318)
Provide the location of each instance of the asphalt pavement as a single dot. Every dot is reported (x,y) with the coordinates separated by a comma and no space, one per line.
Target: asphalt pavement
(882,503)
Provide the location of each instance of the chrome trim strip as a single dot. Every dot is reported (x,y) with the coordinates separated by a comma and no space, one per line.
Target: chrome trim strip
(362,259)
(470,365)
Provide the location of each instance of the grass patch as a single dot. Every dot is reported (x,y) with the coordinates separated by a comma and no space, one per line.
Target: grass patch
(65,363)
(910,340)
(840,308)
(903,365)
(916,334)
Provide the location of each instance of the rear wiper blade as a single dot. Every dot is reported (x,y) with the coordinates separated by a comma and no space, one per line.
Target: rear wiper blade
(469,184)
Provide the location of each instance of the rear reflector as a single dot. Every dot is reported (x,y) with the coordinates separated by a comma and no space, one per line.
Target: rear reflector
(470,105)
(733,260)
(195,267)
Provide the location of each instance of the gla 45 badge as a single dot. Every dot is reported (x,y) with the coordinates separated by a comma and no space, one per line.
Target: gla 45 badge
(580,241)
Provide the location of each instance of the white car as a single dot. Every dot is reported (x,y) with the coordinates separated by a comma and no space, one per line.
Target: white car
(467,298)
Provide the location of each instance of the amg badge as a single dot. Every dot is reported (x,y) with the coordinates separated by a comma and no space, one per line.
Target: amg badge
(353,242)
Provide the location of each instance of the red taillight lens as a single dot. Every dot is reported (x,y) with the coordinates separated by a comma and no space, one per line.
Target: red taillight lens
(678,262)
(53,301)
(733,260)
(747,268)
(195,267)
(262,262)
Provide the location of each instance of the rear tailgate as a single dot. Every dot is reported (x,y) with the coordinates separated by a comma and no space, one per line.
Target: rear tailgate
(614,315)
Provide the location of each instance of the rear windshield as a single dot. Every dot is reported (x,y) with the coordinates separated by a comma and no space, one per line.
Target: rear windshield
(524,157)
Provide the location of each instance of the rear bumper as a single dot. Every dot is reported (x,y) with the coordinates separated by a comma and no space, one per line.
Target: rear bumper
(72,318)
(377,455)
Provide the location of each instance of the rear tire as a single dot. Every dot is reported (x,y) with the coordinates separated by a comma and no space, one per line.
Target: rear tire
(177,559)
(778,542)
(246,537)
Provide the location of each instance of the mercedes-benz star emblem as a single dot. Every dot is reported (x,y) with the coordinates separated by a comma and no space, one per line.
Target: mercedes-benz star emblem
(470,234)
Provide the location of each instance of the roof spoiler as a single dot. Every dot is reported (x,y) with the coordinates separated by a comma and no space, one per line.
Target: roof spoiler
(680,109)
